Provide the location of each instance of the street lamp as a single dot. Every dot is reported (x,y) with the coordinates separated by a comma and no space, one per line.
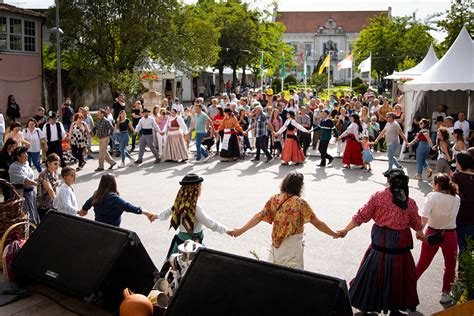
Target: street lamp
(56,30)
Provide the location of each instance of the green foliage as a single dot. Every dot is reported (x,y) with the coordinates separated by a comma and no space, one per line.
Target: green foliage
(318,81)
(357,81)
(127,82)
(460,14)
(463,287)
(109,38)
(391,40)
(407,64)
(291,80)
(360,89)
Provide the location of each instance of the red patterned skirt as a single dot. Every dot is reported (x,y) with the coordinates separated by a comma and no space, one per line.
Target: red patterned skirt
(292,150)
(353,152)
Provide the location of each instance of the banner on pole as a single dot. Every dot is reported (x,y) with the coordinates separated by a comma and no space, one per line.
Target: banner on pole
(366,65)
(324,64)
(346,63)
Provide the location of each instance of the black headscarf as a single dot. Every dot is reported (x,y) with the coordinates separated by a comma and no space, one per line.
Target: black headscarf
(399,187)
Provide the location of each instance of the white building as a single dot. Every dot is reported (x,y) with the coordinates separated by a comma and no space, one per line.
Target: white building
(315,34)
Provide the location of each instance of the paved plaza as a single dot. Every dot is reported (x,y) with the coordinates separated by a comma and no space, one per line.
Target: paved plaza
(234,191)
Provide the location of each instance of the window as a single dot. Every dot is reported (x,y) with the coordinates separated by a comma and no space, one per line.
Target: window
(17,34)
(307,49)
(3,32)
(30,36)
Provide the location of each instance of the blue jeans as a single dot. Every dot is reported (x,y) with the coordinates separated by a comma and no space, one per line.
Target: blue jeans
(422,153)
(123,143)
(1,140)
(392,148)
(34,159)
(199,149)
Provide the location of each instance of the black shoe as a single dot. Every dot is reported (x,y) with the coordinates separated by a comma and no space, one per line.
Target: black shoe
(139,161)
(99,169)
(112,166)
(255,159)
(330,160)
(269,160)
(321,165)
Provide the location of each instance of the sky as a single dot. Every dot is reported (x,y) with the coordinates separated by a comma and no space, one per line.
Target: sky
(422,8)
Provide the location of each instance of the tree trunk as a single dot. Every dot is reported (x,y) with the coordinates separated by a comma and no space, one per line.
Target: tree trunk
(234,77)
(244,79)
(220,80)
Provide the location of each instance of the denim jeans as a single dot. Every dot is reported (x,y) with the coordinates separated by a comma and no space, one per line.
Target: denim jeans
(422,153)
(392,148)
(34,159)
(1,140)
(199,149)
(123,143)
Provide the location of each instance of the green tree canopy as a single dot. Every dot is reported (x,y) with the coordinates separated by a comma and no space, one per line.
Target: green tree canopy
(392,40)
(115,37)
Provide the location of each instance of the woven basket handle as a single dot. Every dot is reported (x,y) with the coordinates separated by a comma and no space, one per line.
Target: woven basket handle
(11,187)
(9,230)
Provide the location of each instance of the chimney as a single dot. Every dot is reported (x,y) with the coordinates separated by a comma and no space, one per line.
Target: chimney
(389,12)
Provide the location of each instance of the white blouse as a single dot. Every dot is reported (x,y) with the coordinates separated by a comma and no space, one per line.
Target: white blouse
(181,123)
(352,129)
(292,122)
(34,138)
(441,210)
(202,219)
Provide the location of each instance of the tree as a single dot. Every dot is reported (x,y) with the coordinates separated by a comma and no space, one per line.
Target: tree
(391,40)
(114,37)
(461,13)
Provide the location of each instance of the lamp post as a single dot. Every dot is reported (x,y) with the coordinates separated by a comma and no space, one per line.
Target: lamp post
(56,30)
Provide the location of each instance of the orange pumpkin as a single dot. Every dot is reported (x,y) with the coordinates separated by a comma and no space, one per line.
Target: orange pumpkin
(135,304)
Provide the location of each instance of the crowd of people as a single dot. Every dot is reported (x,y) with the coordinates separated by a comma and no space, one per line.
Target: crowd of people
(230,125)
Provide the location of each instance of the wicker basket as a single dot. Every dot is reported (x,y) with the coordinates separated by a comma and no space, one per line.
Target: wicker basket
(25,227)
(11,211)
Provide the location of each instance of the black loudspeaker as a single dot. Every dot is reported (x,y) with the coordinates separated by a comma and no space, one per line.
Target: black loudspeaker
(87,259)
(219,283)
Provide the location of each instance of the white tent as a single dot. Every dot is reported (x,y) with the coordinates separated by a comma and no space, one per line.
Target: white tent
(449,81)
(429,60)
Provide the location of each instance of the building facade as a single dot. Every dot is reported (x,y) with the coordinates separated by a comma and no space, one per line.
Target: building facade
(316,34)
(21,71)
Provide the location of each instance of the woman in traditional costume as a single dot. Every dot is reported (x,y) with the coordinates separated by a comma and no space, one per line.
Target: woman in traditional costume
(187,216)
(287,212)
(386,280)
(292,150)
(175,148)
(230,145)
(353,151)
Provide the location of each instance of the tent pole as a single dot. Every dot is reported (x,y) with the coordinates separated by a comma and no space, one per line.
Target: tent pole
(468,105)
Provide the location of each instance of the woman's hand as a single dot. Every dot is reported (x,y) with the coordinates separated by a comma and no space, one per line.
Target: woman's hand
(421,236)
(236,232)
(341,234)
(82,213)
(151,217)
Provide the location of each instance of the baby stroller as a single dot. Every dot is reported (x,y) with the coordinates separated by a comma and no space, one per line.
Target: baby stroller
(67,152)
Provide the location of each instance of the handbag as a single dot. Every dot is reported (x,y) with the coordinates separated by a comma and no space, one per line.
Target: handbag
(437,237)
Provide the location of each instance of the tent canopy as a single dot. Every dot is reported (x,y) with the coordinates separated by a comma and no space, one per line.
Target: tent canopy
(455,71)
(429,60)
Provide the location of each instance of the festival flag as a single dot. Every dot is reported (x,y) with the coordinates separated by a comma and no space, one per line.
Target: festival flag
(283,68)
(345,63)
(366,65)
(324,64)
(303,72)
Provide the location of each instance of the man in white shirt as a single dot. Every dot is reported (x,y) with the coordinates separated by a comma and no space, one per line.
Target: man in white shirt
(177,106)
(294,96)
(54,133)
(147,125)
(463,124)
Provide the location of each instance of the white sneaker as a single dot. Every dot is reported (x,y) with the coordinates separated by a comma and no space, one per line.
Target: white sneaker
(445,298)
(206,158)
(132,162)
(121,165)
